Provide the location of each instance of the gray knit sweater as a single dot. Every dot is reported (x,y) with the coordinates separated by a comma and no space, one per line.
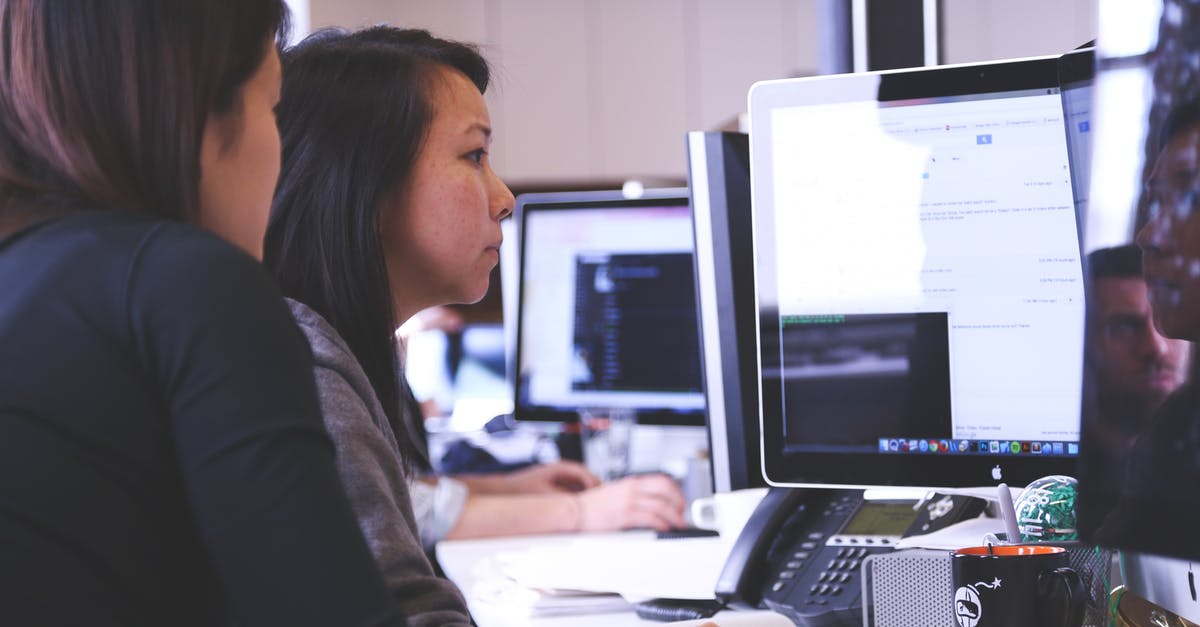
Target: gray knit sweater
(368,460)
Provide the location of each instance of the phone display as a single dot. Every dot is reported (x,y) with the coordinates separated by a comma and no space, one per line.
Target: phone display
(880,519)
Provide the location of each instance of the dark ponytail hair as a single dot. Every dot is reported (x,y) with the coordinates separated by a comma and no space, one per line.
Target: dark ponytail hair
(354,112)
(103,104)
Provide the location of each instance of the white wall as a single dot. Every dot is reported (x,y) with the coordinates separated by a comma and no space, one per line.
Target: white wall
(983,30)
(603,90)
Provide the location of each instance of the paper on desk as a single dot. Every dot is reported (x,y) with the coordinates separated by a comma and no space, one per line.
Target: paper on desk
(636,568)
(512,596)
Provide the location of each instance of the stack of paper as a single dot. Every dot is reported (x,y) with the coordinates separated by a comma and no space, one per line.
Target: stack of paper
(514,597)
(636,568)
(600,573)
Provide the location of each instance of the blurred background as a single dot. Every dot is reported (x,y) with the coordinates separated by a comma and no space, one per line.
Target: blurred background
(590,94)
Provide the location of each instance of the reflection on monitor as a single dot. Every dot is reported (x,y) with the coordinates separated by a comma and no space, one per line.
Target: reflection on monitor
(918,274)
(719,182)
(1140,463)
(607,314)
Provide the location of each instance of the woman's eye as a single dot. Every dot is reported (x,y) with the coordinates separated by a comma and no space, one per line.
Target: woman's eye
(477,155)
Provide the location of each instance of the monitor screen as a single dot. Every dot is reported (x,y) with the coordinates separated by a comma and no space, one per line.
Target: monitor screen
(719,182)
(1140,463)
(919,281)
(607,312)
(1076,76)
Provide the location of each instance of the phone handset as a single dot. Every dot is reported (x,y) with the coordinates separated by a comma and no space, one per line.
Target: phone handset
(740,583)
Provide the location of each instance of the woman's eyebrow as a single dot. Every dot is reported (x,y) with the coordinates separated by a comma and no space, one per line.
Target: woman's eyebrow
(481,127)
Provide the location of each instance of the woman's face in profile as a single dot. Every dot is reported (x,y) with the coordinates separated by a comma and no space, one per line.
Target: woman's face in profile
(239,161)
(442,235)
(1170,239)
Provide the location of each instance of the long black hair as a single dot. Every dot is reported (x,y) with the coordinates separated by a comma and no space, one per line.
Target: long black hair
(354,112)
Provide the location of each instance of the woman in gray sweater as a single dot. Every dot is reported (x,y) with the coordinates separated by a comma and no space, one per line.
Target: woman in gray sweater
(387,205)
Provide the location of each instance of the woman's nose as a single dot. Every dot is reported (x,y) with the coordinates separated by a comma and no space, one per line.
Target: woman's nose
(502,199)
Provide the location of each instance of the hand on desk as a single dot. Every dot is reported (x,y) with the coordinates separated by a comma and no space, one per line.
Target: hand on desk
(652,501)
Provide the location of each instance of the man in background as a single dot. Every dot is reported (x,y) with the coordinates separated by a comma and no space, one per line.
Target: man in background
(1135,367)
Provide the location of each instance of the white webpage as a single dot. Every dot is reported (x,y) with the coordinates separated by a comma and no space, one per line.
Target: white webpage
(963,207)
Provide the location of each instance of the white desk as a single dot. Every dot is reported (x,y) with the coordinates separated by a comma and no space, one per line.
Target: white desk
(469,562)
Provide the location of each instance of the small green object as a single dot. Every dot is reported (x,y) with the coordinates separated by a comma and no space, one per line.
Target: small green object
(1046,510)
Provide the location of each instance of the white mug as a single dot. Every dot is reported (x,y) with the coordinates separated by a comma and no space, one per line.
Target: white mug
(726,512)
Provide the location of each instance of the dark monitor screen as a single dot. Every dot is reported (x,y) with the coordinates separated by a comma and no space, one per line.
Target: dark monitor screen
(920,292)
(719,181)
(607,310)
(1140,466)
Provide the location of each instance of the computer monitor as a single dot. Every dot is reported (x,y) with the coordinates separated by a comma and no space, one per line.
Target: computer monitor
(607,312)
(919,281)
(1140,463)
(719,182)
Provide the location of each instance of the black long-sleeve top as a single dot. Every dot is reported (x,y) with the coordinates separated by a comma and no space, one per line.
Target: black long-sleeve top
(162,455)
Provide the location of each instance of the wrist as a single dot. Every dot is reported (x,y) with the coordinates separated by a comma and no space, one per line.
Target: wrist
(579,511)
(486,484)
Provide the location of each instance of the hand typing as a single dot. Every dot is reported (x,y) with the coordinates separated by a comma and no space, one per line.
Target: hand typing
(652,501)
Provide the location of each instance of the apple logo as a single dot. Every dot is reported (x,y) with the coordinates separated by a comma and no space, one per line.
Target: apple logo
(997,474)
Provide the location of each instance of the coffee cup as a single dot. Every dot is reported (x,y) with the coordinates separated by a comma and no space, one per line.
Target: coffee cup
(726,512)
(1016,586)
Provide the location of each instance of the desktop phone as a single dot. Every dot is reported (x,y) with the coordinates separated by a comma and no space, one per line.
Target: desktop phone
(800,553)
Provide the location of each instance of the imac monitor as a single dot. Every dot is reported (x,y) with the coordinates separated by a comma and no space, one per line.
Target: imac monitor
(919,281)
(719,182)
(607,311)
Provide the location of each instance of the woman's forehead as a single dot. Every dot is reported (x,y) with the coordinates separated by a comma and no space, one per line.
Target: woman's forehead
(458,103)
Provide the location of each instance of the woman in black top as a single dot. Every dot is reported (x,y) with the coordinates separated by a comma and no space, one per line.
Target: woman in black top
(162,458)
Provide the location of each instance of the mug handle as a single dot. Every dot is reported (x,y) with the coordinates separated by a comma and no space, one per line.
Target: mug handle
(1074,596)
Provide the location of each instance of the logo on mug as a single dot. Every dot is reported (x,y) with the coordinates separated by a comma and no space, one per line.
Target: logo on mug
(968,608)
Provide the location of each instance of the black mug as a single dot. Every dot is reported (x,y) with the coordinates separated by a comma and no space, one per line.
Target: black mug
(1016,586)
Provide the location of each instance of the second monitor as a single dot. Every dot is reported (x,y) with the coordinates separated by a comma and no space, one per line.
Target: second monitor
(919,279)
(607,310)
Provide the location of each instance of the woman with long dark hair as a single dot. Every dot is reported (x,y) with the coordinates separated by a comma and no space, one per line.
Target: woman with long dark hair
(387,205)
(162,456)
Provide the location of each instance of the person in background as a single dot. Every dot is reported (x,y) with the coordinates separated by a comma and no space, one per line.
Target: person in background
(1164,462)
(429,339)
(387,205)
(1135,367)
(162,456)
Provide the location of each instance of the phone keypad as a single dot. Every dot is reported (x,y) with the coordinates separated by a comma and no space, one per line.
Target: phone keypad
(817,575)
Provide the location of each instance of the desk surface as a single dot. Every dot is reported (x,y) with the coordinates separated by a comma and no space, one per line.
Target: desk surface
(471,563)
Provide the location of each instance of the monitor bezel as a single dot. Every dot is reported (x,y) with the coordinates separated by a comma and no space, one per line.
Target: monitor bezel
(571,200)
(718,163)
(873,469)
